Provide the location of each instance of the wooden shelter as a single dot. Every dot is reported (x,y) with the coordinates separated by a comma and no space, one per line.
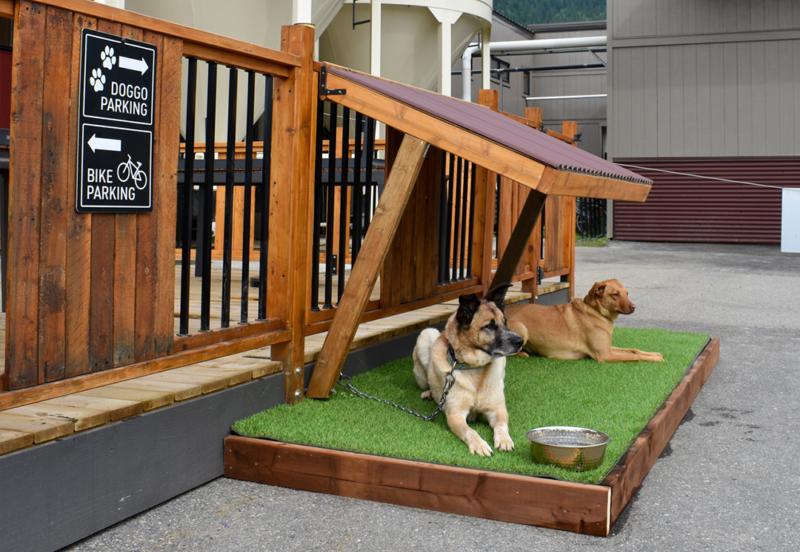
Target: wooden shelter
(493,142)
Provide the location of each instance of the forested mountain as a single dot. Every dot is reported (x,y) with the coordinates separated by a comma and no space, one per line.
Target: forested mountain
(529,12)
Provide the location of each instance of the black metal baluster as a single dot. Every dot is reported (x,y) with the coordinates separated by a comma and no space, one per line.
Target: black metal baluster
(318,161)
(188,182)
(543,229)
(443,220)
(471,221)
(496,217)
(457,234)
(248,191)
(463,232)
(329,215)
(208,191)
(370,181)
(344,221)
(265,195)
(358,200)
(230,172)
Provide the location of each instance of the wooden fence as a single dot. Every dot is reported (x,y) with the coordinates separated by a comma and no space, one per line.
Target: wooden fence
(92,296)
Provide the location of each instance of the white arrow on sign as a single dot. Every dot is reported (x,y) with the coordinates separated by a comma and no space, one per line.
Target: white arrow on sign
(107,144)
(133,64)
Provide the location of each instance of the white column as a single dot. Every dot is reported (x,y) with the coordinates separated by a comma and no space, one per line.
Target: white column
(301,11)
(486,56)
(375,38)
(446,18)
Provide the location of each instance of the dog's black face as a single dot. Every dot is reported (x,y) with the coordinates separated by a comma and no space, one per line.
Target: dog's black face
(483,323)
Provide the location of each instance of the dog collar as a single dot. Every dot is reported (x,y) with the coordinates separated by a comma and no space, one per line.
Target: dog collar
(453,361)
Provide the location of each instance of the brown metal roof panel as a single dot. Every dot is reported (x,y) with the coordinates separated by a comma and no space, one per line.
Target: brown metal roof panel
(497,128)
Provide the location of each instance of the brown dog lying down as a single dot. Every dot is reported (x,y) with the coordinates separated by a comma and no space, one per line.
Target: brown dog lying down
(477,336)
(579,329)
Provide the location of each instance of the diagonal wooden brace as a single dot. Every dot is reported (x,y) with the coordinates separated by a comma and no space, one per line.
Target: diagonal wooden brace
(399,185)
(521,234)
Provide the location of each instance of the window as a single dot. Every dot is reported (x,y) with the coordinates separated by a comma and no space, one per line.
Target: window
(526,83)
(497,64)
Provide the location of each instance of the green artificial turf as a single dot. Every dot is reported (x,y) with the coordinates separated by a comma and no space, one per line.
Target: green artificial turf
(618,399)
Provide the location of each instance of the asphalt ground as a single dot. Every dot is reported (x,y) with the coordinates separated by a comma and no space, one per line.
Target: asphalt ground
(728,480)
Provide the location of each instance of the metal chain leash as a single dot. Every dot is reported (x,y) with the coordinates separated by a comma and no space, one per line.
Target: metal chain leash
(450,379)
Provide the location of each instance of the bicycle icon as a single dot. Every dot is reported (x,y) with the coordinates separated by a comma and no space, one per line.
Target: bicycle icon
(128,169)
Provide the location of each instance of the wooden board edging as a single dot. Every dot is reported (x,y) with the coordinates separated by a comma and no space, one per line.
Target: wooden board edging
(577,507)
(626,477)
(490,495)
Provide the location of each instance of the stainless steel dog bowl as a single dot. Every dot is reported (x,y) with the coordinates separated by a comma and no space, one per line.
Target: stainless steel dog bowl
(572,448)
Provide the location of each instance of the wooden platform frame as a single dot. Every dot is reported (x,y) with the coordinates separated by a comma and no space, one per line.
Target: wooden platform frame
(577,507)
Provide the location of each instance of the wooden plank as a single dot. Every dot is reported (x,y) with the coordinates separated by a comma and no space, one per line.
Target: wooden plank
(490,495)
(125,287)
(184,343)
(523,229)
(14,440)
(207,383)
(55,201)
(439,133)
(42,429)
(7,9)
(22,304)
(146,241)
(232,376)
(117,409)
(92,381)
(79,231)
(165,195)
(583,185)
(181,391)
(150,399)
(399,184)
(631,470)
(101,302)
(82,418)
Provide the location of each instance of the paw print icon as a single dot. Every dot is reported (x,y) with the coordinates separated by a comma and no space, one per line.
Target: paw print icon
(108,58)
(97,80)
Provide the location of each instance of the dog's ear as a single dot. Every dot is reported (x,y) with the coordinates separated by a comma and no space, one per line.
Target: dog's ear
(595,293)
(497,295)
(468,305)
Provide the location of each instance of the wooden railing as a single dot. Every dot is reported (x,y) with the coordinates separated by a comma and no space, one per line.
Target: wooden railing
(92,296)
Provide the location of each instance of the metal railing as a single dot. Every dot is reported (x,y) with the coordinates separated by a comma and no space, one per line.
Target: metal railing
(210,175)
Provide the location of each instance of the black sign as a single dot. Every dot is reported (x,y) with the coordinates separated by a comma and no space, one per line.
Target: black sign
(115,124)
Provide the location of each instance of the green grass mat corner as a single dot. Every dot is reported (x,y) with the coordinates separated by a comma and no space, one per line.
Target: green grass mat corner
(618,399)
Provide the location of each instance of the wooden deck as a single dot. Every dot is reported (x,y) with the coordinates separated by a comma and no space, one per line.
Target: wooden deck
(51,419)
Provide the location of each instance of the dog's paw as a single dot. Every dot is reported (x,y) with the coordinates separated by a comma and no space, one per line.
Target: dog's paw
(523,354)
(426,395)
(503,442)
(659,357)
(479,446)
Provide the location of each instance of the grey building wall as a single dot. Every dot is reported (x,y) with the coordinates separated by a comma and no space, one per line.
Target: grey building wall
(704,78)
(590,114)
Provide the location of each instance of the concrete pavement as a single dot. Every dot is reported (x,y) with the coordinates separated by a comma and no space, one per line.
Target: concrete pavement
(728,480)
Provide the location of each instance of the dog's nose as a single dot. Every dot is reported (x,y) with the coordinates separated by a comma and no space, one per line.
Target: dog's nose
(633,308)
(517,342)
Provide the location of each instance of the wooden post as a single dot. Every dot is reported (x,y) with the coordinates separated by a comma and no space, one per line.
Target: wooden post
(290,182)
(522,233)
(483,237)
(570,128)
(399,184)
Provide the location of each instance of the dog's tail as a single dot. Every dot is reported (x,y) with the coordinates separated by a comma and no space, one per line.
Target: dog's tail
(422,356)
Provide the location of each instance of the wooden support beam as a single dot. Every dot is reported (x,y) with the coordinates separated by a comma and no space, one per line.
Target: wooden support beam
(399,185)
(521,234)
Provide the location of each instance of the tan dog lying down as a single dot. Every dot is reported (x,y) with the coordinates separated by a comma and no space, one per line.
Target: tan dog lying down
(579,329)
(479,339)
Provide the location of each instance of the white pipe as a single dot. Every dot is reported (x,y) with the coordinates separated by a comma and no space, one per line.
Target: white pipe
(501,48)
(581,96)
